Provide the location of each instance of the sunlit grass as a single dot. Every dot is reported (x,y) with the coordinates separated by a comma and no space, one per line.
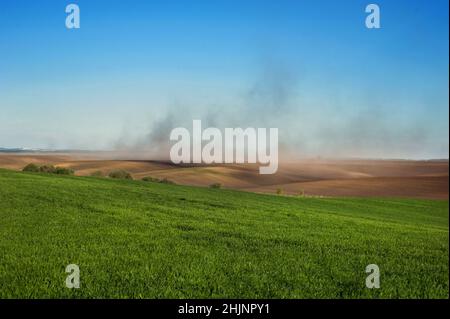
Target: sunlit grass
(134,239)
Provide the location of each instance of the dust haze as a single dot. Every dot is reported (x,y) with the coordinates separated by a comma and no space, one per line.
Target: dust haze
(276,98)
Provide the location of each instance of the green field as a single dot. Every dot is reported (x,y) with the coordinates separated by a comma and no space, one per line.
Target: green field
(135,239)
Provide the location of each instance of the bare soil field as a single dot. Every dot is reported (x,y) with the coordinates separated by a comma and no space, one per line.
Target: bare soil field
(313,177)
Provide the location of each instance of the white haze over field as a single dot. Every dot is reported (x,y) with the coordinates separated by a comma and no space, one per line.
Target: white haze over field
(314,118)
(309,126)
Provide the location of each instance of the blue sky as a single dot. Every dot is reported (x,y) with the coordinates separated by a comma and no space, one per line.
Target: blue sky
(311,68)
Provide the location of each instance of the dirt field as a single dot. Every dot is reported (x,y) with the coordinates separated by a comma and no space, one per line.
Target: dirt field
(386,178)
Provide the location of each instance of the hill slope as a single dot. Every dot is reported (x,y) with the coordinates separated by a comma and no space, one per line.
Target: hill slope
(319,177)
(149,240)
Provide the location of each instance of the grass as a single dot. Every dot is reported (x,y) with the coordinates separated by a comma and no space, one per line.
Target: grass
(134,239)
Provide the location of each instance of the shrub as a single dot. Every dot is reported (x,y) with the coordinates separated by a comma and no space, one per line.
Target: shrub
(47,169)
(157,180)
(166,181)
(31,168)
(151,179)
(216,185)
(64,171)
(279,191)
(97,174)
(120,174)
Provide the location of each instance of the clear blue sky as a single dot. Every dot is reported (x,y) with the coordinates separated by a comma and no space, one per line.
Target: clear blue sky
(343,89)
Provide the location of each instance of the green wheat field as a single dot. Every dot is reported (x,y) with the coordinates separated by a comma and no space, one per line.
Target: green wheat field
(136,239)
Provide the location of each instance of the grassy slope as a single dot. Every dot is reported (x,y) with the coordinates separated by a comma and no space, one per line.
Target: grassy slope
(137,239)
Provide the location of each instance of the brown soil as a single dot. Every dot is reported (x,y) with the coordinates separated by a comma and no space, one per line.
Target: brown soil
(380,178)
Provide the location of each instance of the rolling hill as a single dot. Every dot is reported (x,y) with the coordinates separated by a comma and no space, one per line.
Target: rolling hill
(313,177)
(151,240)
